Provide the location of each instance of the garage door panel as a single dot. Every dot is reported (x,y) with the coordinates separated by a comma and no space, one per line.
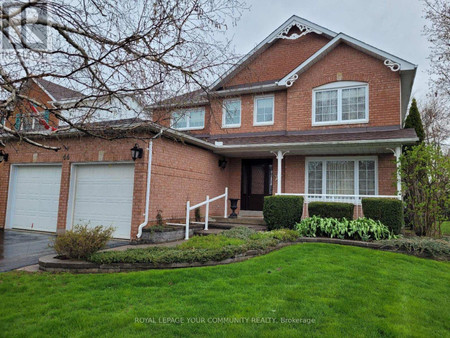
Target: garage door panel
(35,197)
(104,196)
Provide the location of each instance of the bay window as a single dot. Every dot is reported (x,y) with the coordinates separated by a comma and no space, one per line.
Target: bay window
(340,103)
(188,119)
(341,176)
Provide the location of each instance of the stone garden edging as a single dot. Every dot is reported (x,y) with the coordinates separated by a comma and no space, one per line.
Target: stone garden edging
(51,264)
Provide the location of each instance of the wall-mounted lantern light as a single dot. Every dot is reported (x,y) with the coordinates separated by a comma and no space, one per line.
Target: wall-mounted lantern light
(222,163)
(136,152)
(3,156)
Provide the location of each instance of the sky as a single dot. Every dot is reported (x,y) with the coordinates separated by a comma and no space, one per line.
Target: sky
(395,26)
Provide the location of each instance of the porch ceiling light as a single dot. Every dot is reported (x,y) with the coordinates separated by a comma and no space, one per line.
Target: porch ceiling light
(136,152)
(3,156)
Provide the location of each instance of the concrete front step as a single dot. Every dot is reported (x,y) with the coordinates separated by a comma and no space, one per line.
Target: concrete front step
(250,213)
(242,221)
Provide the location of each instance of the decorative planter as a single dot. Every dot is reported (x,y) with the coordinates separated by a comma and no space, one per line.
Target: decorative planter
(165,234)
(233,206)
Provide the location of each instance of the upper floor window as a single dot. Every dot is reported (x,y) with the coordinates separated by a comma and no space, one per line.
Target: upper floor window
(341,103)
(231,113)
(264,111)
(30,121)
(189,119)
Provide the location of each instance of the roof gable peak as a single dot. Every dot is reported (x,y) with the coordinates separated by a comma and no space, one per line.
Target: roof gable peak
(282,32)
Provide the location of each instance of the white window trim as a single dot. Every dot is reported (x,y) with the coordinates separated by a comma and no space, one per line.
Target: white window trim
(255,110)
(224,111)
(340,86)
(172,120)
(355,159)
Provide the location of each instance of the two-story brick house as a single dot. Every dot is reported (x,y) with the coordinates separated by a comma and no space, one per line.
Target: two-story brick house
(308,111)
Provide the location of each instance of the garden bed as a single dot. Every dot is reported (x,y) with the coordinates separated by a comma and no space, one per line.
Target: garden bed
(53,264)
(242,243)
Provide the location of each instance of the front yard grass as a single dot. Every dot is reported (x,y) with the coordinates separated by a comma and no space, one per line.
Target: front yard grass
(348,291)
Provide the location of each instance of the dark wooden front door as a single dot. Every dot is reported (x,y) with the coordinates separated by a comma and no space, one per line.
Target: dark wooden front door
(256,183)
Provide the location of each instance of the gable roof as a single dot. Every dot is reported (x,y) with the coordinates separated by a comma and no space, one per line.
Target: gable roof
(406,69)
(55,91)
(303,25)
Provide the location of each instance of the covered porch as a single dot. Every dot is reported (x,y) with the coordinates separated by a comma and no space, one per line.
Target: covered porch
(332,171)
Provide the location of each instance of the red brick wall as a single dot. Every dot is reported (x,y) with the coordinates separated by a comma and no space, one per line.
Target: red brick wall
(293,106)
(387,174)
(77,149)
(180,173)
(350,65)
(247,108)
(279,59)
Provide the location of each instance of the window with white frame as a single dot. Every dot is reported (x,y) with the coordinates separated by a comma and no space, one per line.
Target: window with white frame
(264,110)
(341,176)
(231,113)
(189,119)
(340,103)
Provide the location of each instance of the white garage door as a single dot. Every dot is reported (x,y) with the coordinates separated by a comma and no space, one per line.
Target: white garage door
(103,195)
(34,197)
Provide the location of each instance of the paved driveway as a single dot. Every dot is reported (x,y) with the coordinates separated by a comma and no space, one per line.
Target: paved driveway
(23,248)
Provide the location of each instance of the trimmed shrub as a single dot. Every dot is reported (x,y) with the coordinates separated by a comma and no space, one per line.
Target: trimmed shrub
(82,241)
(388,211)
(331,210)
(282,211)
(359,229)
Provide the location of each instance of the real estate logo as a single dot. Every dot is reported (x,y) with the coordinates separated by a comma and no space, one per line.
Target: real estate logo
(25,30)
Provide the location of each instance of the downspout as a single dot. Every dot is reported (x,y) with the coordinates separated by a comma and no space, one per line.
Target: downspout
(147,198)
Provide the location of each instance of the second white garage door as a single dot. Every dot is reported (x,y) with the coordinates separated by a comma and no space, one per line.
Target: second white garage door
(103,195)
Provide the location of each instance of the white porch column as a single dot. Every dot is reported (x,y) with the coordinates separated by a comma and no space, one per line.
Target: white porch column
(280,155)
(397,153)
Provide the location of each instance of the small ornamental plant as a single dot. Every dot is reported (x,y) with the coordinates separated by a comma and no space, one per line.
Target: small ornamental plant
(82,241)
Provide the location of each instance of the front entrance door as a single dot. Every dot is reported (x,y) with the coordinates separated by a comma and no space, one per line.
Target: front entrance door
(256,183)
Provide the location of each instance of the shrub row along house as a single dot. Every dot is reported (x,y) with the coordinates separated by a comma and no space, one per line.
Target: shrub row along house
(308,111)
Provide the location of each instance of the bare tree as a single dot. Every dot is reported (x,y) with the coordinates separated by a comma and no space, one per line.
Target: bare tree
(436,120)
(111,51)
(438,33)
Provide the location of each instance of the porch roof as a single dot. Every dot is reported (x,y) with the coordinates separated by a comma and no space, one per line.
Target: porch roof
(324,141)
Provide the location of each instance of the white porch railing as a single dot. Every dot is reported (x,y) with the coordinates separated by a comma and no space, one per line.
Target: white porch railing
(355,199)
(208,200)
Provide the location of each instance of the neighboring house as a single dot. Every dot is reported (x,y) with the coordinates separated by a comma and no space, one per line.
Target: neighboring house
(308,111)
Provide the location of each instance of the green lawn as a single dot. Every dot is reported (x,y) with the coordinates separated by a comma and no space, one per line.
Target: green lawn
(348,291)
